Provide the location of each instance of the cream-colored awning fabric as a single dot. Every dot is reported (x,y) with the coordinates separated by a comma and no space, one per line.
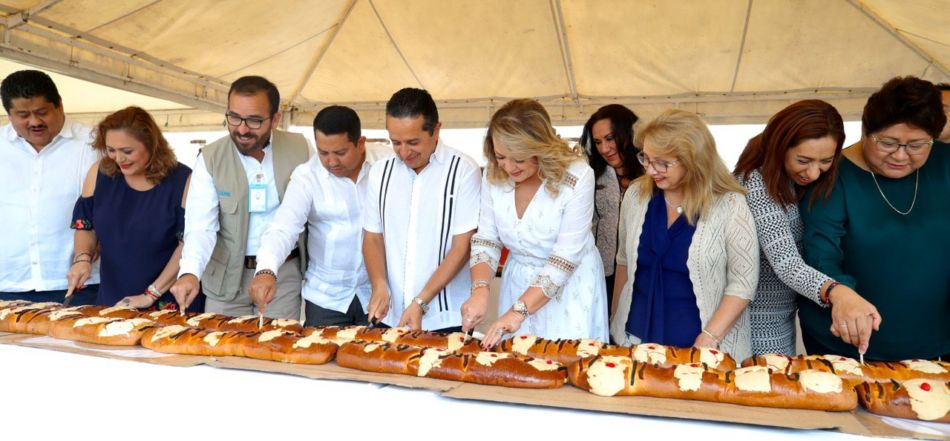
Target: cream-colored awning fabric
(730,60)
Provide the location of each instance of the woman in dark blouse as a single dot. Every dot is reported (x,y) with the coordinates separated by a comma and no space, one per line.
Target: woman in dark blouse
(885,231)
(132,211)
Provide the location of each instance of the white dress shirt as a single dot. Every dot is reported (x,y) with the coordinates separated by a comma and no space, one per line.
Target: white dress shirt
(329,206)
(202,209)
(40,190)
(418,215)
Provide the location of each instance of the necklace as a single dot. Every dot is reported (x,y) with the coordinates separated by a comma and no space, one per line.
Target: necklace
(678,208)
(912,202)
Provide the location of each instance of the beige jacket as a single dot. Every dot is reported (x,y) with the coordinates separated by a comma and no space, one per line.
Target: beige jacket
(723,259)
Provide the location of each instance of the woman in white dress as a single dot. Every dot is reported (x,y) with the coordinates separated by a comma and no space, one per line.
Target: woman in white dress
(537,201)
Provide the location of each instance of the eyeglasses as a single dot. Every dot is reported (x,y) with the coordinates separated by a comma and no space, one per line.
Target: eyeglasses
(658,165)
(891,146)
(252,122)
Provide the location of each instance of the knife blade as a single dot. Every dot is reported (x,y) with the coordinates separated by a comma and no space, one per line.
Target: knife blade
(371,323)
(69,295)
(260,320)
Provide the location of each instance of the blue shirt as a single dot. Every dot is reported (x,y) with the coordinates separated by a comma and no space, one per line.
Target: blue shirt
(663,309)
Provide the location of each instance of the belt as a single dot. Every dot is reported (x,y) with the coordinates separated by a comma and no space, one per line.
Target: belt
(250,262)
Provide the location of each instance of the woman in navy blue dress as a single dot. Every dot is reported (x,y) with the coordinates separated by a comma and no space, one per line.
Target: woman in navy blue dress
(131,214)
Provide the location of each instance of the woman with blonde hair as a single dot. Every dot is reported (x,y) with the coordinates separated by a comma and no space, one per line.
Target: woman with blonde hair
(537,200)
(688,259)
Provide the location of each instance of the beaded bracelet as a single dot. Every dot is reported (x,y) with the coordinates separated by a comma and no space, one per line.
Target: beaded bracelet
(266,272)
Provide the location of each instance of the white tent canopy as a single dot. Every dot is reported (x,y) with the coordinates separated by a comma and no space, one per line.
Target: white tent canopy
(729,60)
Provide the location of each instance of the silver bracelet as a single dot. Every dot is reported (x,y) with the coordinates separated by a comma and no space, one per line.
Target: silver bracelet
(713,336)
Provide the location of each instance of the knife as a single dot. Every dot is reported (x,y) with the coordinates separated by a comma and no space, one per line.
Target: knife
(69,295)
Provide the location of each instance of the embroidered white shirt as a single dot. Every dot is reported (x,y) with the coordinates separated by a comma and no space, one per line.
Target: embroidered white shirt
(418,216)
(330,208)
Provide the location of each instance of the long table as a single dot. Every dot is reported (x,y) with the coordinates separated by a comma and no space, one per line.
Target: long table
(49,394)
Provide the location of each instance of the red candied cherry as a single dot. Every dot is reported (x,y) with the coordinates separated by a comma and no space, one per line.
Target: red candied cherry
(925,387)
(713,351)
(651,347)
(610,365)
(524,337)
(694,365)
(494,355)
(842,359)
(550,362)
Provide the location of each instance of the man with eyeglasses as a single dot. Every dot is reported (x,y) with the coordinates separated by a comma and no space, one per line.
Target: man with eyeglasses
(236,186)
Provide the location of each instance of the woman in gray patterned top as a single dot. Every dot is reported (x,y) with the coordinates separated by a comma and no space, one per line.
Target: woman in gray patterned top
(608,139)
(799,148)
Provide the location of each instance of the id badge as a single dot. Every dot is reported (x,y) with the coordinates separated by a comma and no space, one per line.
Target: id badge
(257,196)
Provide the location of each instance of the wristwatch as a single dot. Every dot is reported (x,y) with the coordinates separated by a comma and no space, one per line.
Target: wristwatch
(422,305)
(521,308)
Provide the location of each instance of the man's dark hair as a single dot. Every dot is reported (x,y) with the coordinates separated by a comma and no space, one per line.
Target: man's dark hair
(943,87)
(334,120)
(29,84)
(410,103)
(251,85)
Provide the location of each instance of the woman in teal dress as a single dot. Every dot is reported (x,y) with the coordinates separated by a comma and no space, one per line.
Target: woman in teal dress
(885,231)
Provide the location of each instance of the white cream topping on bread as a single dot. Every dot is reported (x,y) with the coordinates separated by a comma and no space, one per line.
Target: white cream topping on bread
(93,321)
(313,339)
(844,364)
(392,334)
(347,335)
(267,336)
(925,366)
(689,377)
(711,357)
(284,323)
(159,314)
(588,347)
(60,314)
(112,309)
(753,379)
(544,365)
(167,331)
(455,341)
(929,399)
(431,358)
(30,307)
(123,327)
(489,358)
(522,343)
(213,338)
(650,353)
(607,376)
(196,320)
(777,362)
(243,319)
(820,382)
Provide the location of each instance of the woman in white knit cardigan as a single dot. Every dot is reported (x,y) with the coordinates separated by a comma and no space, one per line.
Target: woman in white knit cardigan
(687,232)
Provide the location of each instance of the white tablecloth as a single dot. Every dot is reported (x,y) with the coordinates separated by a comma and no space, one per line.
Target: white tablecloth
(46,394)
